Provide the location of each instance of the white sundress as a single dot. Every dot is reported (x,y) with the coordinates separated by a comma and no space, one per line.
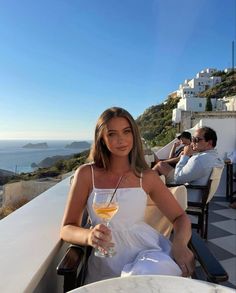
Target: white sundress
(140,249)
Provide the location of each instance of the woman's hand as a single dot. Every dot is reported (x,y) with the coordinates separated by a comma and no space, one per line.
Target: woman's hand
(100,237)
(184,257)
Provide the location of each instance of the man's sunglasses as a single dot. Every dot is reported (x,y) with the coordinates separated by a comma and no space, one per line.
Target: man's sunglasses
(196,139)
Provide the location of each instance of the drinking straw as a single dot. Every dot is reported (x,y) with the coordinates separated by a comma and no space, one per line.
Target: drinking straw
(114,192)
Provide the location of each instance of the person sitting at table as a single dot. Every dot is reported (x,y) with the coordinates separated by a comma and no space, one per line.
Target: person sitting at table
(117,156)
(163,166)
(196,162)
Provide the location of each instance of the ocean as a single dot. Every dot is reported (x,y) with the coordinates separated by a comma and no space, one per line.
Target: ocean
(15,158)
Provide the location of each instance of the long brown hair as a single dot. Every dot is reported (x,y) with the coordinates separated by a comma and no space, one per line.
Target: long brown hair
(100,154)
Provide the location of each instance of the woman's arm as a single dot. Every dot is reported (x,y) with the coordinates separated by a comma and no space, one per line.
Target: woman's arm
(181,253)
(168,205)
(71,231)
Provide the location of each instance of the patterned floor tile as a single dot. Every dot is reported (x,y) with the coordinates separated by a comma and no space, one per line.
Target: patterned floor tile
(222,204)
(228,243)
(216,217)
(219,252)
(229,226)
(228,213)
(215,232)
(230,266)
(218,205)
(221,236)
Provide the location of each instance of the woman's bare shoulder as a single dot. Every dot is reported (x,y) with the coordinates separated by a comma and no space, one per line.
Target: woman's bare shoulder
(83,171)
(151,178)
(149,174)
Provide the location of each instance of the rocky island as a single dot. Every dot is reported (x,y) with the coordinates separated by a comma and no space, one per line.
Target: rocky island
(78,145)
(40,145)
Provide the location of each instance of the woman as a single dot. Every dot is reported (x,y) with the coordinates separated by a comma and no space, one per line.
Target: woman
(117,151)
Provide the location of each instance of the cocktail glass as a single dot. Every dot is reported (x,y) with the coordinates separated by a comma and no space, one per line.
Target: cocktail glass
(105,206)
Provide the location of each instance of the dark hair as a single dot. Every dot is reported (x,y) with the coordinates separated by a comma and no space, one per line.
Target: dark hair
(209,134)
(99,152)
(185,134)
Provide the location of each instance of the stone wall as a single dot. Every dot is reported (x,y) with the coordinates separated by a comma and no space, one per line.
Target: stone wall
(25,190)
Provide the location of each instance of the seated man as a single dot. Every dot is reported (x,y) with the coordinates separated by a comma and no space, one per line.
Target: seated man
(197,161)
(163,167)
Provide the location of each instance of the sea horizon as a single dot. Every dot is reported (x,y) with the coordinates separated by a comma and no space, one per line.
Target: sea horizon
(15,158)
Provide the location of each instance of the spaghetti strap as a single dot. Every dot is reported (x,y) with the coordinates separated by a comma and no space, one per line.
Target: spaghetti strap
(141,180)
(92,174)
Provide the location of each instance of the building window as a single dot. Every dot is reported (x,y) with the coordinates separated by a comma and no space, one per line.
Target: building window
(200,105)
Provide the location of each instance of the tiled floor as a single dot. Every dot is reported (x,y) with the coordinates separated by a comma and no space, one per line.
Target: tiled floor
(222,236)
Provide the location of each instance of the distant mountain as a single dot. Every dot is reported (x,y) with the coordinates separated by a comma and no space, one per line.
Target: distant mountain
(49,161)
(5,175)
(78,145)
(40,145)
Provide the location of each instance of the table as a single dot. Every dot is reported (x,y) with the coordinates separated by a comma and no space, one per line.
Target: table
(152,284)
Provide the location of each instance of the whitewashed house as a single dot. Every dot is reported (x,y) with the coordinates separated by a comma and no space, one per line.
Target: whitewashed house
(195,104)
(192,87)
(230,103)
(189,92)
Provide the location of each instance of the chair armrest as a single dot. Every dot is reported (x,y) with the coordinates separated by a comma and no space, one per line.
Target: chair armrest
(214,271)
(173,184)
(187,185)
(202,187)
(73,258)
(73,266)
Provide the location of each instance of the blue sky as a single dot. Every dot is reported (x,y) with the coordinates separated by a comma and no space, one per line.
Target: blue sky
(63,62)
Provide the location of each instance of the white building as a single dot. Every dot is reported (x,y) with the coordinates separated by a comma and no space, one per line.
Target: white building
(189,92)
(176,115)
(227,70)
(196,104)
(203,81)
(230,103)
(206,72)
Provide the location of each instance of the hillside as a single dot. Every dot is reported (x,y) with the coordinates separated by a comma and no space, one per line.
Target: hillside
(156,122)
(226,88)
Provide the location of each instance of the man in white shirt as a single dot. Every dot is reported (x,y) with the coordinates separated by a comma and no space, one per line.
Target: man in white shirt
(197,161)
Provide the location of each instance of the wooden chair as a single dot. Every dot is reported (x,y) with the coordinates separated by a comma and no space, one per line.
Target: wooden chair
(230,179)
(201,208)
(74,263)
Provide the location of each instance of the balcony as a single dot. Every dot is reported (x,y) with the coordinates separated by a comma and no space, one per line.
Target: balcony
(31,248)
